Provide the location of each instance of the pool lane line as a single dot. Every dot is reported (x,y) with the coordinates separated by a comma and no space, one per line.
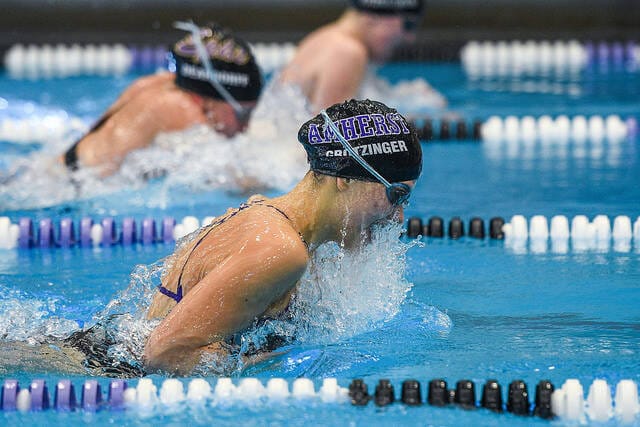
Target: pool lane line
(567,403)
(69,60)
(547,58)
(546,130)
(582,233)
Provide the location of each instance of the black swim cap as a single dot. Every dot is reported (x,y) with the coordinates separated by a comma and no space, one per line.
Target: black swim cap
(379,134)
(389,7)
(231,58)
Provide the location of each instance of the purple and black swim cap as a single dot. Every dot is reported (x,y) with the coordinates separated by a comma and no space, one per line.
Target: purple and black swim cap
(379,134)
(390,7)
(234,64)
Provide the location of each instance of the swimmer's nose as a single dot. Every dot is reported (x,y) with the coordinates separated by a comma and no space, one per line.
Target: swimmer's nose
(401,215)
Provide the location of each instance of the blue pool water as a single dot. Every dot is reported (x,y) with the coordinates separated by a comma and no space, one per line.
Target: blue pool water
(474,309)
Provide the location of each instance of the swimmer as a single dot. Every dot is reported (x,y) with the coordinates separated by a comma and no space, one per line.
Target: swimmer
(244,267)
(169,102)
(330,64)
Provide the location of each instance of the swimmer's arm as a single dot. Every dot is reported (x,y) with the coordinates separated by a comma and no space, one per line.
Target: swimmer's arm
(341,76)
(135,126)
(226,301)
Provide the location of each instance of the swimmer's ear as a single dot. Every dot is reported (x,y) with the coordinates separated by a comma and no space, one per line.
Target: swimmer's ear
(343,183)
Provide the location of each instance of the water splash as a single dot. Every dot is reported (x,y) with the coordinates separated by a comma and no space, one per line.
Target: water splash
(125,315)
(32,320)
(266,156)
(415,96)
(343,293)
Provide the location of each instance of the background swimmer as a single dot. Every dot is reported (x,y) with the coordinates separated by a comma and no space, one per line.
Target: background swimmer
(170,101)
(330,64)
(245,265)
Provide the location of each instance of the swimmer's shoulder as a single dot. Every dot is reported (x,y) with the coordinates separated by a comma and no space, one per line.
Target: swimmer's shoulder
(151,82)
(353,51)
(330,40)
(175,108)
(267,229)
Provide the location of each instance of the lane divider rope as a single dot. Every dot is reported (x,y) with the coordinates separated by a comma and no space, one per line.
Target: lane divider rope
(106,232)
(559,231)
(510,129)
(598,234)
(567,403)
(38,129)
(516,58)
(61,60)
(561,129)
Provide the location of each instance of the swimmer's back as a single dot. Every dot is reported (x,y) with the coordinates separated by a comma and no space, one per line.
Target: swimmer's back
(136,122)
(328,55)
(224,243)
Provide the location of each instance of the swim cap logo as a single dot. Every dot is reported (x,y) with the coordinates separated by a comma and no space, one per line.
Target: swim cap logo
(361,126)
(227,78)
(387,147)
(217,48)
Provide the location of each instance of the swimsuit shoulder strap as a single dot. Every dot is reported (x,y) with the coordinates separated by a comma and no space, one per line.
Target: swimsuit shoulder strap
(177,295)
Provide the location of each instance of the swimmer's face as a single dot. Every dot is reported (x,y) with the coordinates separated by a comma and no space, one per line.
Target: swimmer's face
(387,33)
(369,205)
(224,119)
(382,209)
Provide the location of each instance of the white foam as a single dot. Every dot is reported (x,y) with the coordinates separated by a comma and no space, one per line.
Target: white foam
(412,95)
(30,320)
(198,158)
(347,292)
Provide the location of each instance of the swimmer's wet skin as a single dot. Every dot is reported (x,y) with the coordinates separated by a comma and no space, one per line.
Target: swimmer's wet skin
(246,266)
(331,63)
(216,81)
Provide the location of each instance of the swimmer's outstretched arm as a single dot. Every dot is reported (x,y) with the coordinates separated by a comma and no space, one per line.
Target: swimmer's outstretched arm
(226,301)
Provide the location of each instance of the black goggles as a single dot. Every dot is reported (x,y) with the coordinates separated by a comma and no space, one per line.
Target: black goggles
(410,23)
(398,193)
